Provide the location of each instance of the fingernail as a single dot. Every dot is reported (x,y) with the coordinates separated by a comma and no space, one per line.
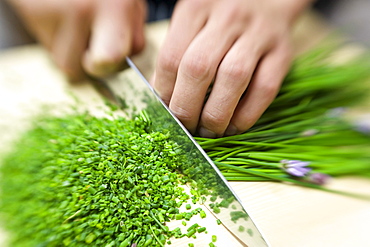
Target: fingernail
(203,132)
(231,130)
(100,65)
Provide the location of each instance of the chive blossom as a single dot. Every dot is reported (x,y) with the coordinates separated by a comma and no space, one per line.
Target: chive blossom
(296,168)
(318,178)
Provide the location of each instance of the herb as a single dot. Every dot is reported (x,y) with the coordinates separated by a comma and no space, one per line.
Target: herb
(81,180)
(302,138)
(202,214)
(201,229)
(214,238)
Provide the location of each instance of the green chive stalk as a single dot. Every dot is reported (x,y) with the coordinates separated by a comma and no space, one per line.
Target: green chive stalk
(305,123)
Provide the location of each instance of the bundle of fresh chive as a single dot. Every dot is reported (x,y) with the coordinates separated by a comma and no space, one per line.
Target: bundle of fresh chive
(303,137)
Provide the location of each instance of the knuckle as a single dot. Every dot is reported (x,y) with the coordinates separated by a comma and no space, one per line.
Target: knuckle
(270,89)
(181,113)
(197,67)
(235,12)
(215,118)
(235,72)
(169,61)
(236,16)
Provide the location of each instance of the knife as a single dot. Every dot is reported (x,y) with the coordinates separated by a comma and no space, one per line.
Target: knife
(130,90)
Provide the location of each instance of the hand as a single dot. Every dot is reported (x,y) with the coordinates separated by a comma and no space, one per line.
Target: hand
(91,36)
(241,47)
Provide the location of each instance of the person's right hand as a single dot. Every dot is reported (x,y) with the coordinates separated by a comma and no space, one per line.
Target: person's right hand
(92,36)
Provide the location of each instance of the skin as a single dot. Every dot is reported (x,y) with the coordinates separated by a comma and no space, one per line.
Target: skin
(241,47)
(90,36)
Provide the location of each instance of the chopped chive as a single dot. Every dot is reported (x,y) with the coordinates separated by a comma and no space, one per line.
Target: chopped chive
(214,238)
(201,229)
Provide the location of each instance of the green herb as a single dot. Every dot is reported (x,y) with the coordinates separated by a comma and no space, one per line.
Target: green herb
(201,229)
(214,238)
(78,179)
(191,233)
(305,124)
(202,214)
(196,225)
(81,180)
(250,232)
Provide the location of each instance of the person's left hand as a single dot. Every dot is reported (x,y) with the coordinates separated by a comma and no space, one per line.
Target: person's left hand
(86,36)
(243,46)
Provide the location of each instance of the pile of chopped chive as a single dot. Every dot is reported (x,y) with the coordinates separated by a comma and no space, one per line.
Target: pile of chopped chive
(80,180)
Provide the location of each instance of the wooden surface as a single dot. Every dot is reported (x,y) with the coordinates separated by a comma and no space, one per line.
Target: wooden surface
(287,215)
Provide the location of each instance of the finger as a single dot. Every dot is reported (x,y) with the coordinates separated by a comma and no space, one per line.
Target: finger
(112,35)
(181,32)
(40,17)
(138,29)
(196,71)
(70,40)
(262,90)
(233,77)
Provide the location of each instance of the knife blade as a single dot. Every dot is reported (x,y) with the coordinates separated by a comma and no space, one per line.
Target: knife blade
(132,91)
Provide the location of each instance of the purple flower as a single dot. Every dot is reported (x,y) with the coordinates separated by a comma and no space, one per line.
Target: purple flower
(318,178)
(296,168)
(309,132)
(363,125)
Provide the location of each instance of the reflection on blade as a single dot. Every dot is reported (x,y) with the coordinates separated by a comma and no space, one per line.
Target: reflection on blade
(132,90)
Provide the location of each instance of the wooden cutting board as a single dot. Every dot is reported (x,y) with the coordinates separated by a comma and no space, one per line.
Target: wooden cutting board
(287,215)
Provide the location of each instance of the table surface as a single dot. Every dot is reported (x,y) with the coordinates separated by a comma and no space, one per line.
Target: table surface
(287,215)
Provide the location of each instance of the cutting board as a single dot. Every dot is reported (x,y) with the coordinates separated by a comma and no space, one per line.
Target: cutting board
(287,215)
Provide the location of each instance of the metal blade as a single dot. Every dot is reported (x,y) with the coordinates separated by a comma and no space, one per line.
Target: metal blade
(133,92)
